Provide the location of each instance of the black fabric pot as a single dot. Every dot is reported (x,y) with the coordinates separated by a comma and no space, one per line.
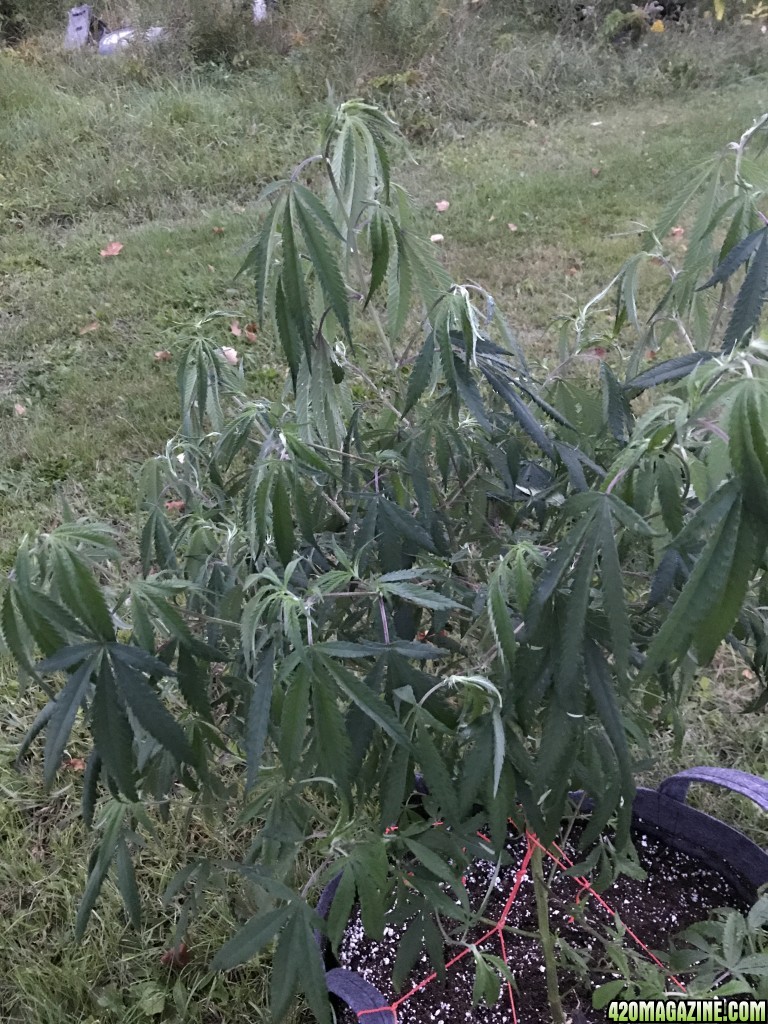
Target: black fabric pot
(660,812)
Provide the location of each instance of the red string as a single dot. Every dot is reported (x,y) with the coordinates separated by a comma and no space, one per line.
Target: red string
(562,861)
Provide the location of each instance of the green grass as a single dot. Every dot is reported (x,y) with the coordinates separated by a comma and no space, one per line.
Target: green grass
(170,166)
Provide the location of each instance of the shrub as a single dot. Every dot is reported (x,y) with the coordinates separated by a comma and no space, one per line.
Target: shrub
(419,558)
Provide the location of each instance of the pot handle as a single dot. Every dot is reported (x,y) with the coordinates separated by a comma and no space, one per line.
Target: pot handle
(676,786)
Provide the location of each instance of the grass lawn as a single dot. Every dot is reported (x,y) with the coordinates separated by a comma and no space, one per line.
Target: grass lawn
(170,168)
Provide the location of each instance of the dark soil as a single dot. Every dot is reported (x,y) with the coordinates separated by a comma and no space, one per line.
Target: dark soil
(677,892)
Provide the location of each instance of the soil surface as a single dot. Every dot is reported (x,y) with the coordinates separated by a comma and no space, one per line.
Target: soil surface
(677,892)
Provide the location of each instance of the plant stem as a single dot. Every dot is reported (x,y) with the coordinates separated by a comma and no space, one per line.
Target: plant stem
(546,938)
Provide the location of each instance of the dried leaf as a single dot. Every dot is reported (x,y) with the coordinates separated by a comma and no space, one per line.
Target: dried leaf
(113,249)
(512,227)
(442,205)
(235,329)
(250,331)
(19,409)
(75,764)
(162,356)
(230,354)
(437,238)
(175,506)
(596,171)
(677,232)
(178,956)
(93,326)
(218,231)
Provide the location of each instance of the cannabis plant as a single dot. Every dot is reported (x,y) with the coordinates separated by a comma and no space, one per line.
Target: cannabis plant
(421,558)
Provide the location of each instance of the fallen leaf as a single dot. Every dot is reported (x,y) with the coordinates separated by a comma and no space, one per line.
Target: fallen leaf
(19,409)
(175,506)
(573,271)
(176,957)
(595,124)
(250,331)
(492,218)
(599,352)
(437,238)
(442,205)
(677,232)
(218,231)
(657,26)
(650,354)
(746,674)
(234,328)
(162,356)
(75,764)
(113,249)
(211,267)
(94,326)
(512,227)
(596,172)
(230,354)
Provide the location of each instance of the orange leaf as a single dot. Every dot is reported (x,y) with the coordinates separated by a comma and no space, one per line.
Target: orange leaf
(162,356)
(175,506)
(218,231)
(235,328)
(94,326)
(176,957)
(76,764)
(250,331)
(113,249)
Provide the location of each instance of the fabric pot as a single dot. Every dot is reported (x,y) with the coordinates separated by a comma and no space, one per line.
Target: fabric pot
(662,813)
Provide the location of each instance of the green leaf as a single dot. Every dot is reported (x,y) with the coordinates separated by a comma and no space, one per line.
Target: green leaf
(287,965)
(321,253)
(737,255)
(126,883)
(330,735)
(378,239)
(251,938)
(437,775)
(341,907)
(288,331)
(420,596)
(749,302)
(670,369)
(78,588)
(257,723)
(501,622)
(90,787)
(112,734)
(107,849)
(368,702)
(293,722)
(421,374)
(59,726)
(151,713)
(409,949)
(282,520)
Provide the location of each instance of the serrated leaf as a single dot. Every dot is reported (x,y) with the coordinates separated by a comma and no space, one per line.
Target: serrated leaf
(113,735)
(78,588)
(414,594)
(61,721)
(321,254)
(409,948)
(378,239)
(257,723)
(368,702)
(101,865)
(341,907)
(90,787)
(670,369)
(251,938)
(500,620)
(750,300)
(437,774)
(126,883)
(282,520)
(421,374)
(151,713)
(293,721)
(737,255)
(330,736)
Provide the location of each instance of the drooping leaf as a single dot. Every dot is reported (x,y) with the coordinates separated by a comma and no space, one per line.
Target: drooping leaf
(750,300)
